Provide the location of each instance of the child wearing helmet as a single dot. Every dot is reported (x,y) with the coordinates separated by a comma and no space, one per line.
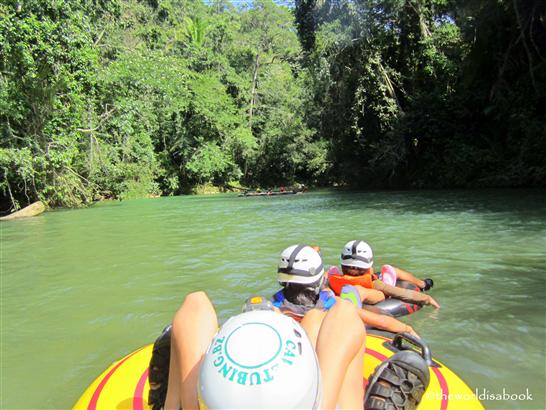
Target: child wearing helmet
(303,280)
(262,359)
(301,275)
(356,264)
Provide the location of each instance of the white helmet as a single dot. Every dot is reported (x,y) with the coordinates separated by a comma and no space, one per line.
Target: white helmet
(260,359)
(300,264)
(357,254)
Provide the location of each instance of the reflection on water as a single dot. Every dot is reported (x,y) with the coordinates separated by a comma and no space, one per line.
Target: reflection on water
(82,288)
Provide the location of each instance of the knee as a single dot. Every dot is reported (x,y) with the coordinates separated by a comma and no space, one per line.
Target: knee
(196,298)
(193,304)
(378,296)
(344,309)
(371,296)
(347,313)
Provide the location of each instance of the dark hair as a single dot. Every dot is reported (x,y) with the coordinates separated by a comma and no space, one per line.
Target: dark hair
(298,294)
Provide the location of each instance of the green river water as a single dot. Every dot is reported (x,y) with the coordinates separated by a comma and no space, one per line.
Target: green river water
(82,288)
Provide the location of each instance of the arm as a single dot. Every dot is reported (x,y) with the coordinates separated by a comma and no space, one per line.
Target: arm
(385,322)
(405,295)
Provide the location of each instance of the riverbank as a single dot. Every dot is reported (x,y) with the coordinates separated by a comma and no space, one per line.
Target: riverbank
(209,189)
(203,189)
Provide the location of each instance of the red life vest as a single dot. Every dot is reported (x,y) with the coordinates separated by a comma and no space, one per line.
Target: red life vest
(338,281)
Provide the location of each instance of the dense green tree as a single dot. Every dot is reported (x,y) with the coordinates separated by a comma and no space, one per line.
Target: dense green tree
(502,91)
(131,98)
(48,65)
(422,92)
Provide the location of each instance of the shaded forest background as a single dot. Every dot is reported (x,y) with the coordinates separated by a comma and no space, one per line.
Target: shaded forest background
(128,98)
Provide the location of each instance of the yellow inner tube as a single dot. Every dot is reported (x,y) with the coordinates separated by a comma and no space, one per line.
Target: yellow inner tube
(124,385)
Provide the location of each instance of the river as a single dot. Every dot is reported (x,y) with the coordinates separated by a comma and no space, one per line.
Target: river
(82,288)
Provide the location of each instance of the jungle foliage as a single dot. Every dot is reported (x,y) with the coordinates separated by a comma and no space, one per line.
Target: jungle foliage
(428,93)
(118,99)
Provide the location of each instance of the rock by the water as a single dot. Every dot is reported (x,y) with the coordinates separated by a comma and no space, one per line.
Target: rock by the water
(32,210)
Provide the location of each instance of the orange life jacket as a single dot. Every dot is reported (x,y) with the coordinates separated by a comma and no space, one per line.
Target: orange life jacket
(338,281)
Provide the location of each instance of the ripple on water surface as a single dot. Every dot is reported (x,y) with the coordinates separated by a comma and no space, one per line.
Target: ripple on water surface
(82,288)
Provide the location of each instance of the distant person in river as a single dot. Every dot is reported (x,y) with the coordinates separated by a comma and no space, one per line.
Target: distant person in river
(263,359)
(357,270)
(304,287)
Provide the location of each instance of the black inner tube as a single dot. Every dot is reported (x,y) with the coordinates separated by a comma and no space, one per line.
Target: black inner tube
(396,307)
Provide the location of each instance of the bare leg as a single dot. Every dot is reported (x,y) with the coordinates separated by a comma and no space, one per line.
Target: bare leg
(194,326)
(311,322)
(172,399)
(370,296)
(352,389)
(409,277)
(340,344)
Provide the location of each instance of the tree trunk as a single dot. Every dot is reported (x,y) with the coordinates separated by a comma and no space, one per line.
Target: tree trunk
(253,92)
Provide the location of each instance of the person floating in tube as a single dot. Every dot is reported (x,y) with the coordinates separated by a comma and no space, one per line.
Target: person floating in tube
(304,287)
(357,270)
